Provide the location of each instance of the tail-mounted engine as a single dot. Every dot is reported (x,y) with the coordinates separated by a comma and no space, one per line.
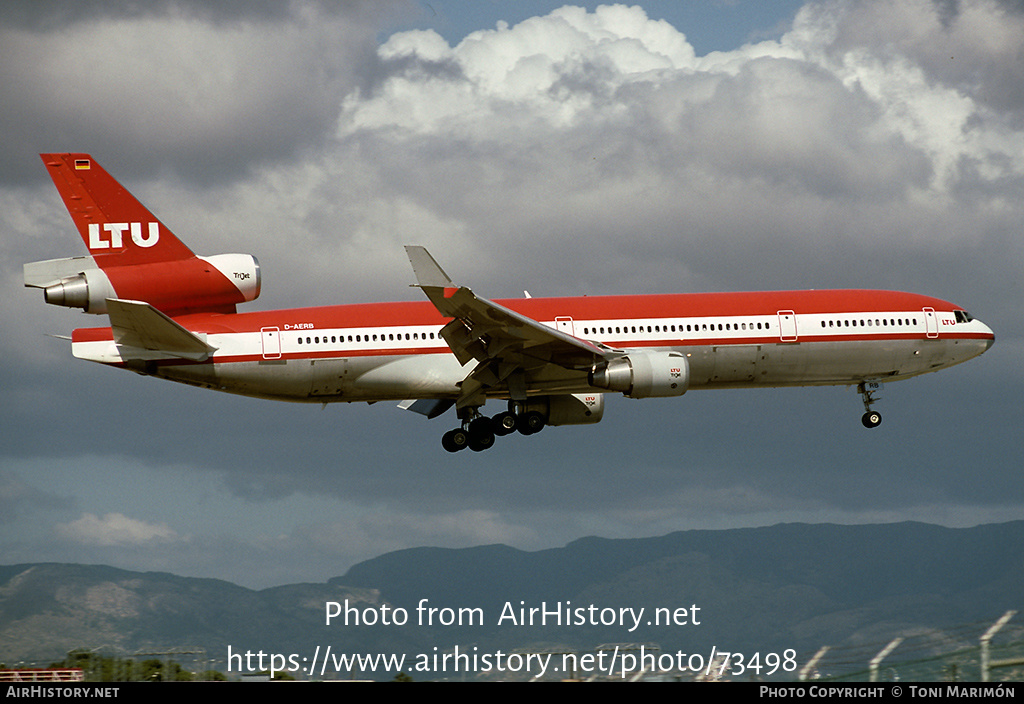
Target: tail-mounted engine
(174,287)
(644,374)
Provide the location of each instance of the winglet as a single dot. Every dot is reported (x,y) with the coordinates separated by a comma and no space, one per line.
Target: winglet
(428,272)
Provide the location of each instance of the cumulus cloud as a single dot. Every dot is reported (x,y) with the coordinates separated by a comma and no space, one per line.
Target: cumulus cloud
(939,77)
(826,98)
(114,529)
(553,69)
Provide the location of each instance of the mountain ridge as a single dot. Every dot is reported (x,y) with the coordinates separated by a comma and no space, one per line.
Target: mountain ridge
(792,585)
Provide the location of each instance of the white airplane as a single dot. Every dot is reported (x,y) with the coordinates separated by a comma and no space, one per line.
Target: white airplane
(173,315)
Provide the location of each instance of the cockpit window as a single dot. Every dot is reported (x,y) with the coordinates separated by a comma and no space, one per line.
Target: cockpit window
(963,316)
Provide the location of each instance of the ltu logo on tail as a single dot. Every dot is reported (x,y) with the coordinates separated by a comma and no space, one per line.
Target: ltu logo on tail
(115,240)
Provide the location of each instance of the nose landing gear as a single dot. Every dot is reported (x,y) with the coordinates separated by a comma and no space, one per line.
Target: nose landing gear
(867,390)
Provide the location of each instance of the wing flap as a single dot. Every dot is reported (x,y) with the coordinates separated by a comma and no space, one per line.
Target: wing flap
(429,407)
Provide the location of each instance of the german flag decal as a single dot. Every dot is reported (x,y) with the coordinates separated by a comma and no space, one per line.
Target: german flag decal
(82,164)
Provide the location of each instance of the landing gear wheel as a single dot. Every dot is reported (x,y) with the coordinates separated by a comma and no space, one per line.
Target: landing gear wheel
(481,436)
(871,419)
(504,423)
(530,422)
(455,440)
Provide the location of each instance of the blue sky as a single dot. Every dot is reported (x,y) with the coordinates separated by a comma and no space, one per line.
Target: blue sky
(715,25)
(699,146)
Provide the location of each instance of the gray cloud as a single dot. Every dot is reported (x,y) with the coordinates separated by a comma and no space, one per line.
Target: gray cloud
(19,499)
(206,90)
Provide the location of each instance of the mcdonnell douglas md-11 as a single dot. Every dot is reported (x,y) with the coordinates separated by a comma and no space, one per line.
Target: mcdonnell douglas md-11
(550,360)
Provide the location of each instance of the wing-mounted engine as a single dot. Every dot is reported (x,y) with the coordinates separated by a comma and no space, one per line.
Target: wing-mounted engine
(571,409)
(213,284)
(641,374)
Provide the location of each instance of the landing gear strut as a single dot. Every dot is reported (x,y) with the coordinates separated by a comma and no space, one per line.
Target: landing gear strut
(478,432)
(867,389)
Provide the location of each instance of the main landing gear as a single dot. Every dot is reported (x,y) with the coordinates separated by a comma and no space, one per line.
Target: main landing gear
(867,390)
(478,432)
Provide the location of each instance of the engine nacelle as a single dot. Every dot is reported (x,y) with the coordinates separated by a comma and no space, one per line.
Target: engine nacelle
(88,290)
(644,374)
(174,287)
(574,409)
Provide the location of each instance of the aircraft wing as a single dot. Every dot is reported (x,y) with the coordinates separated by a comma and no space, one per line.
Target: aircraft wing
(509,347)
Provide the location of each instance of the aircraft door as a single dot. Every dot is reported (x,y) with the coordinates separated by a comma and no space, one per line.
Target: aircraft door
(563,323)
(787,326)
(931,324)
(271,339)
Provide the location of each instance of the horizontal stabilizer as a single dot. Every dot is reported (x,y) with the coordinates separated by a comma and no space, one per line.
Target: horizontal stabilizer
(43,274)
(138,324)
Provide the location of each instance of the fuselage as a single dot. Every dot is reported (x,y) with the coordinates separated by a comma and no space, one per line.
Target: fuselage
(394,351)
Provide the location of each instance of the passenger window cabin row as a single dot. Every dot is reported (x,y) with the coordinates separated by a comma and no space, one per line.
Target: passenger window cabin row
(961,317)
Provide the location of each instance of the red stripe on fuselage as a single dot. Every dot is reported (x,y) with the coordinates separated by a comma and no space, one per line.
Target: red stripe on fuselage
(587,308)
(686,305)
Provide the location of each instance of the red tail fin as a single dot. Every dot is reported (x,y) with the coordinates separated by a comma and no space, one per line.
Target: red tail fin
(134,256)
(117,228)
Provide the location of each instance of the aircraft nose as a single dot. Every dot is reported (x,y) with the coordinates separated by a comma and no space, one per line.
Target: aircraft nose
(991,339)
